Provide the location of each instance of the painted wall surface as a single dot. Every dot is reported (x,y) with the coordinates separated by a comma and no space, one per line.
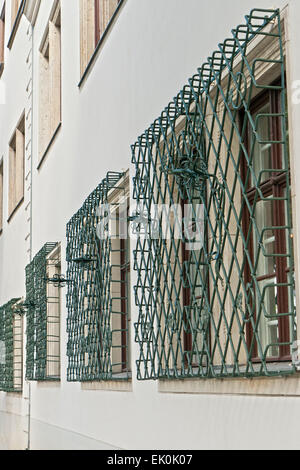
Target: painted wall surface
(148,55)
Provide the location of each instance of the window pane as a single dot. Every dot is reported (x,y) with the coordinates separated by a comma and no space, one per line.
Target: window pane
(264,239)
(260,148)
(268,326)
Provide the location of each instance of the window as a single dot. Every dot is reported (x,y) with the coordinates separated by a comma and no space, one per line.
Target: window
(50,83)
(11,347)
(223,307)
(16,168)
(2,39)
(17,7)
(1,197)
(104,10)
(268,242)
(95,16)
(98,285)
(43,282)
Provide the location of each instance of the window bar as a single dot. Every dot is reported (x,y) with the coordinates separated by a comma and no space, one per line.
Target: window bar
(11,348)
(95,297)
(43,316)
(197,152)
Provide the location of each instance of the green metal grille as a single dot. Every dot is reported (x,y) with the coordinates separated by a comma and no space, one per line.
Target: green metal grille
(43,316)
(203,312)
(97,323)
(11,348)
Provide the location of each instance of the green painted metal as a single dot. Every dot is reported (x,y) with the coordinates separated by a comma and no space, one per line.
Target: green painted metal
(94,311)
(11,348)
(42,332)
(193,154)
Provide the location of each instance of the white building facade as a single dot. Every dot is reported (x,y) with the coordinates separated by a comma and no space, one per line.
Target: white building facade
(140,344)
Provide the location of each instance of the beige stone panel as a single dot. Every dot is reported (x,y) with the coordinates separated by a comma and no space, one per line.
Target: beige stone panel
(15,4)
(111,6)
(2,39)
(87,32)
(19,170)
(44,105)
(12,184)
(17,352)
(55,76)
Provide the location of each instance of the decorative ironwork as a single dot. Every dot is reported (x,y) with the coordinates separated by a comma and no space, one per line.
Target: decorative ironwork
(43,315)
(11,347)
(97,323)
(203,311)
(58,280)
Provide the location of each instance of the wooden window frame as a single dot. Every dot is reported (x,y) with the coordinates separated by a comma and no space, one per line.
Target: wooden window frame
(93,30)
(274,185)
(97,22)
(125,284)
(50,110)
(100,28)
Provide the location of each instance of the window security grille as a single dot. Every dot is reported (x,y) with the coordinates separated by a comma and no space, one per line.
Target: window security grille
(95,297)
(203,312)
(43,315)
(11,348)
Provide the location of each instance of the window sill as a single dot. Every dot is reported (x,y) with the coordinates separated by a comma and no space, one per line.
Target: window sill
(49,146)
(15,210)
(115,385)
(48,383)
(16,24)
(288,385)
(100,42)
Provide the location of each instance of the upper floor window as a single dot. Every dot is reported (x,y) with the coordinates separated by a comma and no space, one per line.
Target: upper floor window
(16,168)
(50,83)
(95,16)
(17,7)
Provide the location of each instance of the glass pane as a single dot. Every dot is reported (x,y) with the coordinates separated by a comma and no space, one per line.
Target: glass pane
(266,296)
(264,239)
(268,327)
(261,151)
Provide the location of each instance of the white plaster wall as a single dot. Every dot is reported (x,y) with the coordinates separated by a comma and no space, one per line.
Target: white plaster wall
(14,254)
(153,48)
